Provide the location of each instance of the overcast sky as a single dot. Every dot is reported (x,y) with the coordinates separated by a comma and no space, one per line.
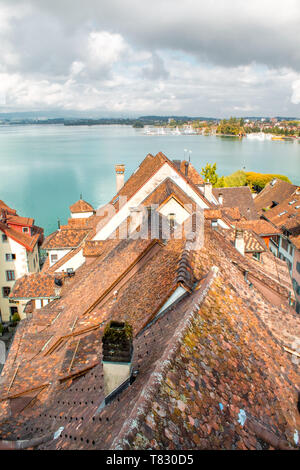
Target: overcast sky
(133,57)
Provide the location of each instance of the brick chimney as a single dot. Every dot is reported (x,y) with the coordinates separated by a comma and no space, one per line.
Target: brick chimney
(208,191)
(120,170)
(239,241)
(117,355)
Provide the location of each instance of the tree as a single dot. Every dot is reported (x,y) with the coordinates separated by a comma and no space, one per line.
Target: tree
(210,174)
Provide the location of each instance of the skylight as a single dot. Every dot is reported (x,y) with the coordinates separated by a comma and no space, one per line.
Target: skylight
(292,202)
(282,213)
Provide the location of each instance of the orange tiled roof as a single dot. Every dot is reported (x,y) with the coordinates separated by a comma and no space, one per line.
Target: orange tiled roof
(260,227)
(65,239)
(165,191)
(81,206)
(273,192)
(149,166)
(213,359)
(25,240)
(36,285)
(240,197)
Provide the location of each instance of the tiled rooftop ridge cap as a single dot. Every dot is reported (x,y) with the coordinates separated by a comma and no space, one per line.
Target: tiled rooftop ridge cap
(184,271)
(143,402)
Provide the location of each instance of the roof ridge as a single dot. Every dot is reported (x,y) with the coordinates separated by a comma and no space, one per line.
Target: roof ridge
(185,273)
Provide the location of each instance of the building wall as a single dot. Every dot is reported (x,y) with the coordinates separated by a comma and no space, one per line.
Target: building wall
(59,253)
(164,172)
(173,207)
(296,278)
(23,264)
(286,252)
(81,215)
(73,263)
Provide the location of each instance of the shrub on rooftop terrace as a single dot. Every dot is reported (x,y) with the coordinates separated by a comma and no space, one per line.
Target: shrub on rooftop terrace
(260,180)
(15,318)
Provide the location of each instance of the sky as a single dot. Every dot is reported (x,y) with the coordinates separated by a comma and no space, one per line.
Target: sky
(215,58)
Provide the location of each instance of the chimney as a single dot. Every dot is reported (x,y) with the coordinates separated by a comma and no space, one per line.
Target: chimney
(120,170)
(239,241)
(208,191)
(117,355)
(220,199)
(186,168)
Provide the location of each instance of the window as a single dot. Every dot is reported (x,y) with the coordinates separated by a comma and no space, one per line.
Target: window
(10,256)
(285,244)
(10,275)
(256,256)
(13,310)
(298,267)
(53,258)
(25,229)
(5,291)
(4,238)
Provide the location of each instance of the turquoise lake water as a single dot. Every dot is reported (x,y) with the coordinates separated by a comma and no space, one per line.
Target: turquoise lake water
(44,169)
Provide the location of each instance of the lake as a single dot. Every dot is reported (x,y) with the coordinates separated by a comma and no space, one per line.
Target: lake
(45,168)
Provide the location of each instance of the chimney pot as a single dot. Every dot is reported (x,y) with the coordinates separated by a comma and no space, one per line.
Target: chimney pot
(120,170)
(208,191)
(239,241)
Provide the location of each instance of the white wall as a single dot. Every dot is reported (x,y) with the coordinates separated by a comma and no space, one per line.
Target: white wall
(81,215)
(164,172)
(60,254)
(173,207)
(23,264)
(75,262)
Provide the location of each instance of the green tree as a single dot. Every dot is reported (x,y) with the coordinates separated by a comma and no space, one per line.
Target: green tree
(209,172)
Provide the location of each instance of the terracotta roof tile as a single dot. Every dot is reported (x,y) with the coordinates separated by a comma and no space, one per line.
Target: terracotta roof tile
(240,197)
(65,239)
(81,206)
(36,285)
(277,193)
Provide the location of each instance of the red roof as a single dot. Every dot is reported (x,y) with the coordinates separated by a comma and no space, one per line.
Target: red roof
(27,241)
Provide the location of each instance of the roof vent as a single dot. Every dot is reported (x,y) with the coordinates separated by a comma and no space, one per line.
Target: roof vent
(117,355)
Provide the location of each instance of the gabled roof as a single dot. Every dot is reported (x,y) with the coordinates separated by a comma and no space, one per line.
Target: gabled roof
(17,220)
(240,197)
(165,191)
(192,173)
(35,286)
(149,166)
(260,227)
(63,239)
(81,206)
(23,239)
(274,192)
(212,371)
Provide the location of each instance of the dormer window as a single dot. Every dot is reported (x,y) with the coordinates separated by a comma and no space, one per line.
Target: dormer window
(25,229)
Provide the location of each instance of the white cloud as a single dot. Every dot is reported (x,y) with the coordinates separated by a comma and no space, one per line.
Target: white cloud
(295,99)
(212,57)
